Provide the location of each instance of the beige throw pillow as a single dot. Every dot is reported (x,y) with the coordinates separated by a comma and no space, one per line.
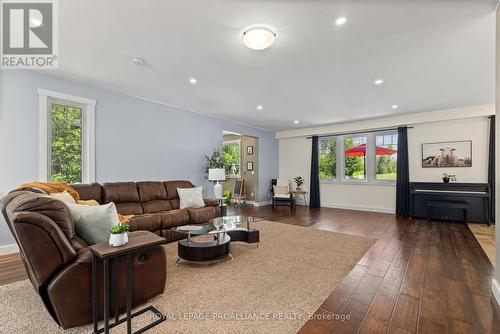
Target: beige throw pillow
(280,190)
(64,196)
(191,197)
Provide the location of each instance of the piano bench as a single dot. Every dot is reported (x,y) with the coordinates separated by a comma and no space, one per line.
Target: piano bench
(447,204)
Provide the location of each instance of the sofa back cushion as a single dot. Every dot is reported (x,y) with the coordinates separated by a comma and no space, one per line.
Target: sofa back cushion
(171,187)
(89,191)
(125,196)
(153,196)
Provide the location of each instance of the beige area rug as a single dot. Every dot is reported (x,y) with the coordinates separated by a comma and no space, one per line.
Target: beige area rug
(270,289)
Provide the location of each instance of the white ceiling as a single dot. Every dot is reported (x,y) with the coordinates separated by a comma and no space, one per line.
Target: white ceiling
(432,54)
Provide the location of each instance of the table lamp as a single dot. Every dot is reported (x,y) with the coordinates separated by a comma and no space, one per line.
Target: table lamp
(217,174)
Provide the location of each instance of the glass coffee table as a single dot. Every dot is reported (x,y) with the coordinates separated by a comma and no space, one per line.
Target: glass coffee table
(224,230)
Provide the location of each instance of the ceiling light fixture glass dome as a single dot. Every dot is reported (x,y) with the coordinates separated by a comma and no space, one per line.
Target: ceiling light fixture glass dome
(258,38)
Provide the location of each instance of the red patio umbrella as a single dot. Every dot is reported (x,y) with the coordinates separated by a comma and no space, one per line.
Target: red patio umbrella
(360,151)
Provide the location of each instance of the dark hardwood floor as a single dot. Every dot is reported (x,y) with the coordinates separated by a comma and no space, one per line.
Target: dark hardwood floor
(419,277)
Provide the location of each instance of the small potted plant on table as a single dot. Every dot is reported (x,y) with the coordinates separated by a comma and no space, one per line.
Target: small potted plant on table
(449,177)
(119,235)
(299,181)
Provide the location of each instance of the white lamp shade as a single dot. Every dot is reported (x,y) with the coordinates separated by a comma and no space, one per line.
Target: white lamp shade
(216,174)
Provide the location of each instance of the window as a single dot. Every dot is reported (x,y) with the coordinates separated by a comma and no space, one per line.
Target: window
(65,147)
(386,152)
(355,158)
(66,138)
(232,158)
(328,158)
(365,158)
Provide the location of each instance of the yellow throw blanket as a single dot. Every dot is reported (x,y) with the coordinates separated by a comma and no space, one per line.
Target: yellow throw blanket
(53,187)
(59,187)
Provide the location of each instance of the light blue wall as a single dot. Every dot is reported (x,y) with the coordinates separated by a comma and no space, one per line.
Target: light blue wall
(135,139)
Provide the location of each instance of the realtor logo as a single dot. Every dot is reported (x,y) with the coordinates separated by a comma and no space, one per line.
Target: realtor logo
(28,34)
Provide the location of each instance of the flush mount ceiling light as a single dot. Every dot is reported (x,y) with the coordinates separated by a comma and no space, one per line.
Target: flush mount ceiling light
(378,82)
(340,21)
(296,122)
(258,38)
(259,107)
(193,81)
(395,106)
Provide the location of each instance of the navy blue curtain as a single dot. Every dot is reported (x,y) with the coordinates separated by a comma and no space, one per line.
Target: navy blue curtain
(403,174)
(491,169)
(314,191)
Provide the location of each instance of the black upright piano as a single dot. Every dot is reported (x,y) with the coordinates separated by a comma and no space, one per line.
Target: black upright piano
(477,195)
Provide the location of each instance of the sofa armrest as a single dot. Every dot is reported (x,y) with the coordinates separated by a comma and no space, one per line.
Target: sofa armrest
(211,202)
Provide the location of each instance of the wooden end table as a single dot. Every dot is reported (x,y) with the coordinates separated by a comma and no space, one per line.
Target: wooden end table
(103,251)
(300,192)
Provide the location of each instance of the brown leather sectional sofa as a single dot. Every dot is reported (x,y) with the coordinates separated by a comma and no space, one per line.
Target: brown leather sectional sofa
(59,264)
(154,204)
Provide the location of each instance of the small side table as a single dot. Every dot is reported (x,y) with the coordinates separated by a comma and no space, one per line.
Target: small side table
(103,251)
(301,192)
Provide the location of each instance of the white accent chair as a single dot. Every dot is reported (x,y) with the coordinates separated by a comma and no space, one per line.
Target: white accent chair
(282,198)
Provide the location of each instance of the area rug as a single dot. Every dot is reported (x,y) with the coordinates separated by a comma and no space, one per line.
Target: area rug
(273,288)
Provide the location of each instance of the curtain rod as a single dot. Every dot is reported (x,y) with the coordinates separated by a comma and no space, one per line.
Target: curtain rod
(357,132)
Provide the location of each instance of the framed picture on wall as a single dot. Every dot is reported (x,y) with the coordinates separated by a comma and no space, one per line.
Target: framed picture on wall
(250,166)
(447,154)
(250,150)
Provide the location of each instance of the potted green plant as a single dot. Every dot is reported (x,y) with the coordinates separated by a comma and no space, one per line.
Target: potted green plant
(227,197)
(215,160)
(449,177)
(299,181)
(119,235)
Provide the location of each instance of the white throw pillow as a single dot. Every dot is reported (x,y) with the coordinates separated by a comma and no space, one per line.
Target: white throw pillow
(64,196)
(93,223)
(191,197)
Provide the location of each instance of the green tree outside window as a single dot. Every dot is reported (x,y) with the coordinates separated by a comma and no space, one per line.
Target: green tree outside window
(65,144)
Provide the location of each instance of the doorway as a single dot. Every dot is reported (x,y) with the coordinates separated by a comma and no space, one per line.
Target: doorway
(241,162)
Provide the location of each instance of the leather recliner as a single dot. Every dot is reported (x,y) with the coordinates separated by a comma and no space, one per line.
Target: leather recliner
(58,263)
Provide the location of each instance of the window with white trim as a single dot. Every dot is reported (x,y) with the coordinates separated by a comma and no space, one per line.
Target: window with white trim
(368,158)
(67,142)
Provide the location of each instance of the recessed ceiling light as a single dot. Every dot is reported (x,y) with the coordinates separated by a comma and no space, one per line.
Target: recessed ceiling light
(259,107)
(296,122)
(378,82)
(340,21)
(193,81)
(258,38)
(138,61)
(395,106)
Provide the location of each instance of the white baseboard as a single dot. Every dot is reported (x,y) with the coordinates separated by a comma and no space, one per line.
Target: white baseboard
(495,288)
(358,208)
(8,249)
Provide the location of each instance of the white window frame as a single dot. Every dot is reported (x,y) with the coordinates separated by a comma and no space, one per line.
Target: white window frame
(230,142)
(370,161)
(88,132)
